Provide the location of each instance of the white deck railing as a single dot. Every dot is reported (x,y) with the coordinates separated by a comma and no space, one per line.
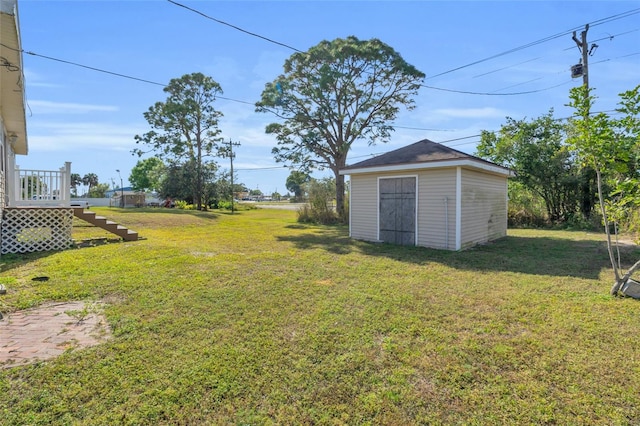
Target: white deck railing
(41,188)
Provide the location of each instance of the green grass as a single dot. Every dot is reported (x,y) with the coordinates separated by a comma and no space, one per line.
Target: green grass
(255,319)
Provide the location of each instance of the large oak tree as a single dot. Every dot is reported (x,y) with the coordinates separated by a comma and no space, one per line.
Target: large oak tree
(336,93)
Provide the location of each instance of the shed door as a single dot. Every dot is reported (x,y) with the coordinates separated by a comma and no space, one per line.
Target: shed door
(398,210)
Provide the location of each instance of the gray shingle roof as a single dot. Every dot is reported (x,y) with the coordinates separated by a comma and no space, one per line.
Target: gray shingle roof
(424,151)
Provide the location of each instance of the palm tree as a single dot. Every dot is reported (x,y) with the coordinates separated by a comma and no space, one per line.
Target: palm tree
(75,181)
(90,179)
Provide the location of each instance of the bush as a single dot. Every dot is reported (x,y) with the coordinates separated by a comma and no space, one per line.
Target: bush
(226,205)
(307,214)
(320,208)
(520,217)
(184,205)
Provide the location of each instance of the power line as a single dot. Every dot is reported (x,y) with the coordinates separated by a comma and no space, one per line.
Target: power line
(117,74)
(261,168)
(543,40)
(467,92)
(610,37)
(546,39)
(94,68)
(234,26)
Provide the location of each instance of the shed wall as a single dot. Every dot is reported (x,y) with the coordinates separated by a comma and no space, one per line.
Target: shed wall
(484,207)
(437,208)
(363,207)
(436,217)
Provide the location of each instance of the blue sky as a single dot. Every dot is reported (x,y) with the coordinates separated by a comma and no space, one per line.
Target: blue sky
(90,118)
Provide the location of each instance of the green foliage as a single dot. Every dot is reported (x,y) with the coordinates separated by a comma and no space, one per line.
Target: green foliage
(148,174)
(526,208)
(98,191)
(539,156)
(320,208)
(76,180)
(185,126)
(33,186)
(610,147)
(183,205)
(593,136)
(180,181)
(90,180)
(255,319)
(226,205)
(295,183)
(337,93)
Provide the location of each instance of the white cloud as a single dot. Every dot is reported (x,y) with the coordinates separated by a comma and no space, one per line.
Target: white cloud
(55,136)
(48,107)
(33,79)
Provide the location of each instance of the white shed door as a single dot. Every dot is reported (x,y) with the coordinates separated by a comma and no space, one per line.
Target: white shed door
(398,210)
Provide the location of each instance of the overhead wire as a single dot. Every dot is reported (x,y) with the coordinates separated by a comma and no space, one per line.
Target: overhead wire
(543,40)
(494,93)
(117,74)
(233,26)
(467,92)
(610,37)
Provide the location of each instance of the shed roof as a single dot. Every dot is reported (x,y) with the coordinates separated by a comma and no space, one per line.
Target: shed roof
(422,155)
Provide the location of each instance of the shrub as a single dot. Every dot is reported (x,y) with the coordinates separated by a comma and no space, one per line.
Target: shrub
(184,205)
(320,208)
(226,205)
(307,214)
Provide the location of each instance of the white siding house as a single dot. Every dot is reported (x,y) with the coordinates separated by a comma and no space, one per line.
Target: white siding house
(428,195)
(35,205)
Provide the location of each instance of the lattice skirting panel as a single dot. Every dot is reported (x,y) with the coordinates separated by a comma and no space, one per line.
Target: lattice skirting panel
(27,230)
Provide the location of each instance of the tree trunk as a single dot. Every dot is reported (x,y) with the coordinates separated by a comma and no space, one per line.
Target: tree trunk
(616,273)
(340,210)
(199,174)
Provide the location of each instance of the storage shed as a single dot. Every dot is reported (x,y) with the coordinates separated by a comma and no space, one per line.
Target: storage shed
(427,194)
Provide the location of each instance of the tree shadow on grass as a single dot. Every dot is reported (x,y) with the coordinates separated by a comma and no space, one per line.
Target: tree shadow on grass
(333,239)
(528,255)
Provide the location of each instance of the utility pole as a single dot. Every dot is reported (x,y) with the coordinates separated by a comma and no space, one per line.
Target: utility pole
(229,152)
(584,49)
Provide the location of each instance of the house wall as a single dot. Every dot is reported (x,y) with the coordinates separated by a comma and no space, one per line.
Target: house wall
(483,207)
(3,162)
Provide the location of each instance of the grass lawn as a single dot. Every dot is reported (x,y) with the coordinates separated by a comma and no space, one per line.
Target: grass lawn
(255,319)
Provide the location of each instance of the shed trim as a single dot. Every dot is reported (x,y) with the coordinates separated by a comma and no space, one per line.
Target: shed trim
(458,208)
(350,209)
(434,165)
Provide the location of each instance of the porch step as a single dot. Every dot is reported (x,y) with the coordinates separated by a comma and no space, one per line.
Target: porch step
(108,225)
